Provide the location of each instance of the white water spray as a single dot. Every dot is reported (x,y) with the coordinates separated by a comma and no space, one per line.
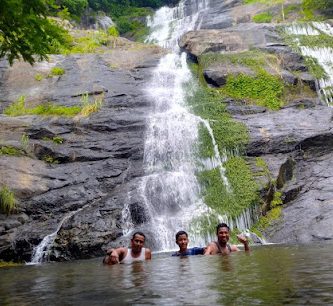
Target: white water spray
(42,250)
(323,55)
(169,191)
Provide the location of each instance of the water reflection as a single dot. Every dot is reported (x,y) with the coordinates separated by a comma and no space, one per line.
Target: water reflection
(296,275)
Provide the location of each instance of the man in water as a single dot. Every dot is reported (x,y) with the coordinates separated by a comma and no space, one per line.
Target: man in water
(182,241)
(127,255)
(221,246)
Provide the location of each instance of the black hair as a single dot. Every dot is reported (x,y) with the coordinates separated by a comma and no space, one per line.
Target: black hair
(181,233)
(222,225)
(139,233)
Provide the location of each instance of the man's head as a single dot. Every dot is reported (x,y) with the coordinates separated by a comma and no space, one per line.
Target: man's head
(182,240)
(137,242)
(222,232)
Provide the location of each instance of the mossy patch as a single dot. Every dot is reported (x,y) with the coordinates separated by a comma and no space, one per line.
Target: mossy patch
(264,89)
(265,17)
(10,150)
(244,189)
(18,108)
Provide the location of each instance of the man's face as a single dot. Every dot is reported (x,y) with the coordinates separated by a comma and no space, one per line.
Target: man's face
(223,235)
(137,243)
(182,242)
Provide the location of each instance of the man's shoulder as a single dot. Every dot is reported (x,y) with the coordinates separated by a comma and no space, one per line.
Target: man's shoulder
(147,253)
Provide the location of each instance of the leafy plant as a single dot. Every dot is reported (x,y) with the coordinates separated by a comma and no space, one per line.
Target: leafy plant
(88,107)
(38,77)
(26,32)
(56,71)
(7,200)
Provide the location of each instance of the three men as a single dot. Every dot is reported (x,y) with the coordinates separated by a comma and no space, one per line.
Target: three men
(128,255)
(138,253)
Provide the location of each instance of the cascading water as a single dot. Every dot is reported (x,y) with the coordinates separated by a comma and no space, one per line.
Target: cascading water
(323,55)
(42,251)
(169,190)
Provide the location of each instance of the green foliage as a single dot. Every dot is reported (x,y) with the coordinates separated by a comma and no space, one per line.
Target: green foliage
(244,189)
(312,41)
(25,141)
(324,7)
(7,264)
(112,31)
(314,68)
(7,200)
(276,199)
(264,89)
(265,221)
(74,7)
(264,171)
(90,107)
(229,134)
(50,159)
(57,139)
(265,17)
(9,150)
(56,71)
(38,77)
(25,30)
(18,108)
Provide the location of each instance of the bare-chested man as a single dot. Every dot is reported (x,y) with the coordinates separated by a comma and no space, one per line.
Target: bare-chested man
(221,246)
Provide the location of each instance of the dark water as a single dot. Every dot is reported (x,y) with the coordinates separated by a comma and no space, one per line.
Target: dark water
(269,275)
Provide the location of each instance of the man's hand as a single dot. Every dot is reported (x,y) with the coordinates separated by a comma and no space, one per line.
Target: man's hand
(242,239)
(114,257)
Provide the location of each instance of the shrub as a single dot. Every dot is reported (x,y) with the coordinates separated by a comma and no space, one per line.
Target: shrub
(7,200)
(112,31)
(90,107)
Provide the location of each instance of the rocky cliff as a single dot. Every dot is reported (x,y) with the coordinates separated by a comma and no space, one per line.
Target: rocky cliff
(68,164)
(294,141)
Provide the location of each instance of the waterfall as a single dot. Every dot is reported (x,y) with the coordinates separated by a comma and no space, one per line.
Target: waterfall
(42,251)
(323,55)
(169,191)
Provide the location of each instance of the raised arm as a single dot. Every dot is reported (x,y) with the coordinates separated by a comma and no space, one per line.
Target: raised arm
(243,240)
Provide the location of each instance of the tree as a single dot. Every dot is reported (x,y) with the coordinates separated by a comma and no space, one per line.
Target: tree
(75,7)
(25,30)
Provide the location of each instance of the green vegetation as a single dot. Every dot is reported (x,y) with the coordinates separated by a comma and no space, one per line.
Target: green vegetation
(50,159)
(265,17)
(244,189)
(25,30)
(230,135)
(9,150)
(18,108)
(315,68)
(264,89)
(8,264)
(7,200)
(38,77)
(55,139)
(56,71)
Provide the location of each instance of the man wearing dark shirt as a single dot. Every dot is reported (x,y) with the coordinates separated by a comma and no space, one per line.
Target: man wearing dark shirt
(182,241)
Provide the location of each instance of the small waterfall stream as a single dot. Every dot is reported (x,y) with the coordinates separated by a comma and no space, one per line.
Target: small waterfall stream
(323,55)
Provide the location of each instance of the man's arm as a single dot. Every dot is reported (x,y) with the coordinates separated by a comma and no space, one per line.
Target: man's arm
(242,239)
(114,256)
(147,254)
(210,249)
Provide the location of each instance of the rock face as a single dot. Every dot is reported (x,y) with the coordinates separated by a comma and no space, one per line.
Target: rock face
(296,142)
(89,168)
